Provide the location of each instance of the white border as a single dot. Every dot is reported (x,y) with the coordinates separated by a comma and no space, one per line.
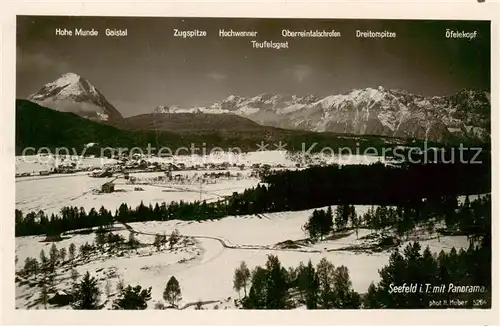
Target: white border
(424,9)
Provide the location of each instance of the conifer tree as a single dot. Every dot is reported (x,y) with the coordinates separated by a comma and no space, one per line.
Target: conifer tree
(312,227)
(370,300)
(342,287)
(62,254)
(329,222)
(276,286)
(53,260)
(174,238)
(44,294)
(87,294)
(326,275)
(352,217)
(342,213)
(72,251)
(325,223)
(312,287)
(132,298)
(172,292)
(44,264)
(257,296)
(238,281)
(28,266)
(157,242)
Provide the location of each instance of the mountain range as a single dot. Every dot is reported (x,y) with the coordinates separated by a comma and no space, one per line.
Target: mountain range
(38,126)
(375,111)
(369,111)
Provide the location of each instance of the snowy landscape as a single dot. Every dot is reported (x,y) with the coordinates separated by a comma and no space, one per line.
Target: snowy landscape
(204,265)
(163,172)
(50,192)
(168,224)
(175,231)
(210,247)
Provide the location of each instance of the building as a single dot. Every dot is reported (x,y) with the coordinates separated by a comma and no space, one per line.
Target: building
(108,187)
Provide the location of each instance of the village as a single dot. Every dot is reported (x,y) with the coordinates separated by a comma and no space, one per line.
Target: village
(136,163)
(92,181)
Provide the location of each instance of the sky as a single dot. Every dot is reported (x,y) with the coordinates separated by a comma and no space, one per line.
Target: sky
(151,67)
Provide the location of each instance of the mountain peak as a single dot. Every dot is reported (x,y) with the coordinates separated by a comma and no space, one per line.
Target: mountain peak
(69,77)
(73,93)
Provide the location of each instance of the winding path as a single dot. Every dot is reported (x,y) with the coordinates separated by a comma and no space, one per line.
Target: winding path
(224,244)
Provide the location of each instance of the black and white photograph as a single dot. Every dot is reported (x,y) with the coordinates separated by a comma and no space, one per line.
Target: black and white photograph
(209,163)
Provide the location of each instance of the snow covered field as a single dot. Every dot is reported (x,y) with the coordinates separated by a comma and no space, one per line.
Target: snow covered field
(53,192)
(205,267)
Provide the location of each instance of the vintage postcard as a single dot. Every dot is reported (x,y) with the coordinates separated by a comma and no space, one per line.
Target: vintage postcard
(181,162)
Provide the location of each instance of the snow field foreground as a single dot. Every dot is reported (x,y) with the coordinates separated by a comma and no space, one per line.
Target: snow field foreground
(205,265)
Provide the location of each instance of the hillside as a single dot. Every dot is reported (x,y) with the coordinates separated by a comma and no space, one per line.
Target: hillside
(190,123)
(38,126)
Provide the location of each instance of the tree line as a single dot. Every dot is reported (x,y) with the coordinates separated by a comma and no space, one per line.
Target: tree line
(272,286)
(433,274)
(470,218)
(87,295)
(325,286)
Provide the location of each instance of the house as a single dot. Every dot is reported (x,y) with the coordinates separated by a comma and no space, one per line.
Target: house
(108,187)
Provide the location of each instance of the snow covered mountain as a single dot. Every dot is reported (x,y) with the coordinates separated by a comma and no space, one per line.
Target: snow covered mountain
(177,109)
(73,93)
(375,111)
